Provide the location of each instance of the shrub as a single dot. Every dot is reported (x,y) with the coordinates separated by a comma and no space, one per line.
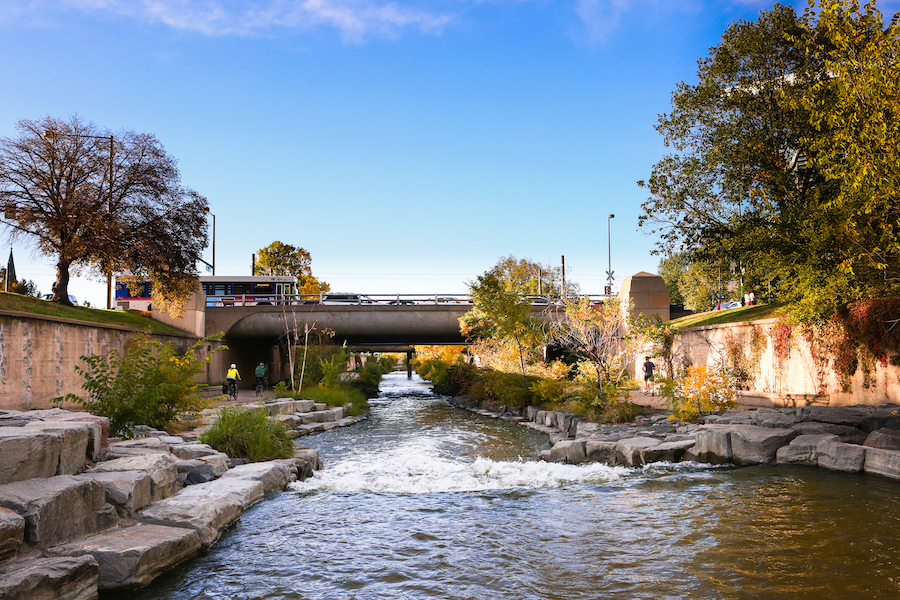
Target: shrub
(248,434)
(700,390)
(353,400)
(150,384)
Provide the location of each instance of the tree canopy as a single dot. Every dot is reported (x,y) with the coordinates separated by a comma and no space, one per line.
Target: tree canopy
(284,259)
(109,203)
(757,174)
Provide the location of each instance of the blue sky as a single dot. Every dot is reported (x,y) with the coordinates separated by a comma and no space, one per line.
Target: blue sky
(407,144)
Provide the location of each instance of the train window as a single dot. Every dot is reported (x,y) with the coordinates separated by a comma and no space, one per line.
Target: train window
(241,288)
(263,288)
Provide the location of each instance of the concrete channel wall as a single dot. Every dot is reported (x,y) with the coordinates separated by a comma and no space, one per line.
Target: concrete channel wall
(38,355)
(804,377)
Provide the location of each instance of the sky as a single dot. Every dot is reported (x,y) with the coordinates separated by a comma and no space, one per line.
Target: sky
(406,144)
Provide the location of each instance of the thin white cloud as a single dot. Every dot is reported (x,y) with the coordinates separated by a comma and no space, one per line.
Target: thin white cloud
(601,17)
(355,20)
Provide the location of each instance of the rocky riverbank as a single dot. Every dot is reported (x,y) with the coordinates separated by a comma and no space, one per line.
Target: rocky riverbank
(82,513)
(851,439)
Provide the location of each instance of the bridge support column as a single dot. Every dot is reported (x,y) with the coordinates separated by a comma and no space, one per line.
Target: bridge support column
(409,354)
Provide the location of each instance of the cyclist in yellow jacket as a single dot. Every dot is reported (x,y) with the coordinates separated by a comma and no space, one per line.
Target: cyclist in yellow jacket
(232,377)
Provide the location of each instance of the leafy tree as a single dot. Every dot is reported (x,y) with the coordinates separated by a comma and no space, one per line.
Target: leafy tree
(284,259)
(23,287)
(108,203)
(598,334)
(529,277)
(735,188)
(698,284)
(501,312)
(855,112)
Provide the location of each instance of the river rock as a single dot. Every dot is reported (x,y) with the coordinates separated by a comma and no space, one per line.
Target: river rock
(160,466)
(207,508)
(884,438)
(134,556)
(667,451)
(888,417)
(128,491)
(752,445)
(12,533)
(59,509)
(848,434)
(628,451)
(218,461)
(274,475)
(713,445)
(840,456)
(306,461)
(560,450)
(189,451)
(63,578)
(851,416)
(600,451)
(804,449)
(28,453)
(883,462)
(77,439)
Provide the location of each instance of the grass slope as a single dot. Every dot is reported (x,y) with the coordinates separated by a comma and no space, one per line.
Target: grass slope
(732,315)
(24,304)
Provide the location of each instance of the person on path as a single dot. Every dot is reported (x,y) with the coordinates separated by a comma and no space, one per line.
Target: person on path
(260,374)
(233,376)
(648,375)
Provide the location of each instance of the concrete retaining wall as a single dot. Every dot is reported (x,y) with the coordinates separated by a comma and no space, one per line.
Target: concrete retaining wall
(38,355)
(803,378)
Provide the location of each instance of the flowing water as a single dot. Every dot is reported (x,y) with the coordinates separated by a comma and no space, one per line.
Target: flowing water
(427,501)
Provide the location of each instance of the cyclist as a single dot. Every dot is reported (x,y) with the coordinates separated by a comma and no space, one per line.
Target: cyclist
(260,378)
(232,377)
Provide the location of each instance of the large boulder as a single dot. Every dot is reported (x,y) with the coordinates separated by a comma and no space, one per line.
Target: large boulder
(159,465)
(128,491)
(628,450)
(28,453)
(851,416)
(839,456)
(134,556)
(804,449)
(752,445)
(12,533)
(667,451)
(274,475)
(884,438)
(77,443)
(883,462)
(600,451)
(848,434)
(59,509)
(207,508)
(887,417)
(713,445)
(560,450)
(190,451)
(63,578)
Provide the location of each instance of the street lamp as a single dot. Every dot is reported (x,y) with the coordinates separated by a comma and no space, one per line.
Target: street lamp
(609,273)
(213,265)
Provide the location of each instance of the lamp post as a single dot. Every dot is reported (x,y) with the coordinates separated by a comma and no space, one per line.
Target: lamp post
(609,273)
(213,241)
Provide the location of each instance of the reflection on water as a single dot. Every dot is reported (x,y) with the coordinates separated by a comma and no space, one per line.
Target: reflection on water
(426,501)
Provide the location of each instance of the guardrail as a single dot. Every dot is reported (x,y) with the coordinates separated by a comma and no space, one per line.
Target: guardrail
(375,300)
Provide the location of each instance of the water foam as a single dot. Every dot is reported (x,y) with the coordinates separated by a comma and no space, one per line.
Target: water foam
(423,466)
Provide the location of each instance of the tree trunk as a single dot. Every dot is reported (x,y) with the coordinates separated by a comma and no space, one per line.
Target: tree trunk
(61,285)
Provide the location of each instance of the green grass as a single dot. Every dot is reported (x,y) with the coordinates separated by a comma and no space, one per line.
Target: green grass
(249,434)
(732,315)
(24,304)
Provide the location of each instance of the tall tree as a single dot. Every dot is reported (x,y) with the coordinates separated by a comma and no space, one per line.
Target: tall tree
(284,259)
(735,188)
(856,116)
(111,203)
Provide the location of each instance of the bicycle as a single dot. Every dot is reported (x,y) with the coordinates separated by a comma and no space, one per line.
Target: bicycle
(260,385)
(232,389)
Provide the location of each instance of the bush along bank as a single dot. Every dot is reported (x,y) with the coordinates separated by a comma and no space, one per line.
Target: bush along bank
(853,439)
(81,513)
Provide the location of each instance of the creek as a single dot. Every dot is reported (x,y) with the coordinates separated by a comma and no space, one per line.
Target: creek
(424,500)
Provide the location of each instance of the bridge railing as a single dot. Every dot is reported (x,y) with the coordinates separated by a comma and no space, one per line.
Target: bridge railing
(335,299)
